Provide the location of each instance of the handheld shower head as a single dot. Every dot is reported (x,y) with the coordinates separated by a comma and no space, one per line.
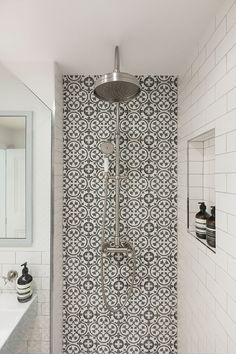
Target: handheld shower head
(107,148)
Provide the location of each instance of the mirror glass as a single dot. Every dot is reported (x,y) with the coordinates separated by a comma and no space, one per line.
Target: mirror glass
(15,175)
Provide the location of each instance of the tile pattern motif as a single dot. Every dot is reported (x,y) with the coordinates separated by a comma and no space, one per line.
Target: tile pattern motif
(148,216)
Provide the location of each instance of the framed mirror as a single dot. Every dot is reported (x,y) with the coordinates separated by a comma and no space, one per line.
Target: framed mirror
(15,178)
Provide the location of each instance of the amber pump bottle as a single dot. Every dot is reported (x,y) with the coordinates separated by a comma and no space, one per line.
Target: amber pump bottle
(211,228)
(201,221)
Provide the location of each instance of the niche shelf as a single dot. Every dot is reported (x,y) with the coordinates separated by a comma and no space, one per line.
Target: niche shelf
(201,178)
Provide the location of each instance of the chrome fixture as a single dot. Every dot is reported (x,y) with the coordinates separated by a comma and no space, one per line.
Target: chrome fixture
(115,87)
(107,148)
(116,245)
(11,276)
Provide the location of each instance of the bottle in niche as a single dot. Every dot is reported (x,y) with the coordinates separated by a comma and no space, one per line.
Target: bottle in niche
(211,228)
(201,221)
(24,285)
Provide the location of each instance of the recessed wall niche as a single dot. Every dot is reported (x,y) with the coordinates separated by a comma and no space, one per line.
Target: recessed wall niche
(201,177)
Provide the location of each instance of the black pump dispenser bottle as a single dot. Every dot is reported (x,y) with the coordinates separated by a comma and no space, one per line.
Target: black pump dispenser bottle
(201,221)
(24,285)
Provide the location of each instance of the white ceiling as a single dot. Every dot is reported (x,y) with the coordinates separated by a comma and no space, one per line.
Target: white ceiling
(155,36)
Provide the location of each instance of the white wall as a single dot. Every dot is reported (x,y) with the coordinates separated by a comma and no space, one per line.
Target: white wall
(207,281)
(12,137)
(38,77)
(15,96)
(5,137)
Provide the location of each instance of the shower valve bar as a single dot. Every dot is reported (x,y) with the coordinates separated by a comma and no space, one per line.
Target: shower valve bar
(117,250)
(117,177)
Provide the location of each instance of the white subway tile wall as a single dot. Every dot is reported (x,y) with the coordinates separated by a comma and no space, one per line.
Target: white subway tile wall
(209,173)
(201,170)
(207,281)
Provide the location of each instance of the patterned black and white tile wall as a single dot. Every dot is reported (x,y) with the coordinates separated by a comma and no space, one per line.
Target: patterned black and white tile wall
(148,324)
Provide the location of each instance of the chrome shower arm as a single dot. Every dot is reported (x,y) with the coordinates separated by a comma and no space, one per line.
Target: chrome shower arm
(117,60)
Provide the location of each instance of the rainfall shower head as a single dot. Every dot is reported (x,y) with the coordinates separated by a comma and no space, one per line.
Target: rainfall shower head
(117,86)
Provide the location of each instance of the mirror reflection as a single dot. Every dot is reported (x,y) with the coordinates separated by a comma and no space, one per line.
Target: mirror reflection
(12,176)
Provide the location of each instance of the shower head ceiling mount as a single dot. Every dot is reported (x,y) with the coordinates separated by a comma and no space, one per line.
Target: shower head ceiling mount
(117,86)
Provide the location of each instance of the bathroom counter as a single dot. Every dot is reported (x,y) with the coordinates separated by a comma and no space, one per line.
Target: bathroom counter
(12,313)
